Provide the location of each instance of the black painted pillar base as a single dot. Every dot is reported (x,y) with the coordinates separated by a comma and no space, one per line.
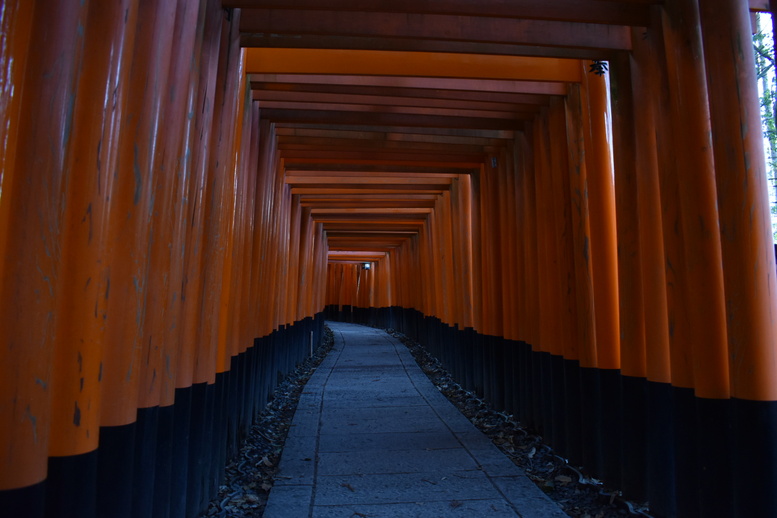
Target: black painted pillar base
(27,501)
(611,411)
(71,487)
(164,462)
(634,438)
(591,406)
(686,462)
(558,407)
(715,447)
(660,450)
(115,459)
(145,462)
(755,457)
(574,440)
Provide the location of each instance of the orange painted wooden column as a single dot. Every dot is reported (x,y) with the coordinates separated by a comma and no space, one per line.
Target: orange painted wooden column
(260,287)
(695,176)
(531,275)
(459,256)
(698,341)
(82,289)
(567,374)
(465,187)
(632,323)
(307,263)
(16,24)
(626,422)
(562,231)
(449,286)
(35,156)
(477,258)
(293,262)
(132,199)
(507,236)
(198,355)
(647,123)
(650,121)
(579,142)
(522,170)
(320,267)
(580,229)
(219,200)
(547,254)
(239,332)
(160,345)
(231,219)
(601,206)
(425,264)
(246,321)
(747,252)
(488,248)
(630,465)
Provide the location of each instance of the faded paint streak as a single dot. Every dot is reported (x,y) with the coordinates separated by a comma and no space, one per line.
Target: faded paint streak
(34,421)
(138,177)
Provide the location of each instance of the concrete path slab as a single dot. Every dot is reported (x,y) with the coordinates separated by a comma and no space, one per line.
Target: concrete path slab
(373,437)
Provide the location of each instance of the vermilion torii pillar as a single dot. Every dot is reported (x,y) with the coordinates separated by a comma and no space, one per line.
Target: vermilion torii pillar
(748,250)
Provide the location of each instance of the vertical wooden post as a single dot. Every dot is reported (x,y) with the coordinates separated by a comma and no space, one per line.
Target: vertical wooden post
(703,359)
(631,409)
(548,270)
(584,258)
(603,250)
(16,24)
(133,191)
(80,312)
(35,146)
(563,231)
(532,300)
(748,255)
(651,124)
(601,203)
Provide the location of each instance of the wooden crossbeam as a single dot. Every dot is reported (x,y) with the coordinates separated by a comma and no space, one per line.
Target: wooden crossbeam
(427,26)
(410,64)
(591,11)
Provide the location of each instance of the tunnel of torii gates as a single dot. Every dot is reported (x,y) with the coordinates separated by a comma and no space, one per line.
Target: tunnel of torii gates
(564,201)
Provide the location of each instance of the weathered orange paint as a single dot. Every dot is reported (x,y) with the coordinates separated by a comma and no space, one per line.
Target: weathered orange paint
(16,19)
(747,248)
(422,64)
(601,210)
(578,189)
(531,308)
(160,338)
(567,317)
(220,216)
(81,287)
(544,251)
(131,213)
(30,203)
(196,352)
(648,75)
(630,298)
(702,361)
